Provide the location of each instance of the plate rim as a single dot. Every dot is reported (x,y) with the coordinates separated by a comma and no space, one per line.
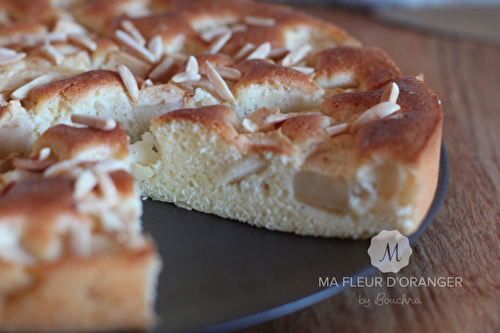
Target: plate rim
(322,294)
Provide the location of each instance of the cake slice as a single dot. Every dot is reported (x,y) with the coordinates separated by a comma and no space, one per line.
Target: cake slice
(332,171)
(72,254)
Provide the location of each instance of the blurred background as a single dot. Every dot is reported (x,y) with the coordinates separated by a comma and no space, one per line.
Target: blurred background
(399,3)
(470,20)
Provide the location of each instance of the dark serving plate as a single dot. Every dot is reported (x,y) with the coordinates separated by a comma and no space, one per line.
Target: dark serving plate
(221,275)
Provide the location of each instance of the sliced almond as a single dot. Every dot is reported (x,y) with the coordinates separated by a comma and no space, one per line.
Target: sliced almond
(100,123)
(249,126)
(129,27)
(209,35)
(131,43)
(7,52)
(33,39)
(67,168)
(390,94)
(129,81)
(296,55)
(31,164)
(108,166)
(239,28)
(136,65)
(244,51)
(155,46)
(376,112)
(219,42)
(243,168)
(9,59)
(259,117)
(146,84)
(83,42)
(54,55)
(43,154)
(259,21)
(219,84)
(84,184)
(106,185)
(24,91)
(262,52)
(305,70)
(185,77)
(192,64)
(161,69)
(67,25)
(420,77)
(275,118)
(229,73)
(337,129)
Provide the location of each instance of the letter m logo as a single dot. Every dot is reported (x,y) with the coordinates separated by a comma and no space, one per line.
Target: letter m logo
(390,254)
(389,251)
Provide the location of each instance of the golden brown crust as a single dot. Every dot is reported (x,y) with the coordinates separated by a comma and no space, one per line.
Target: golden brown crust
(29,11)
(23,28)
(306,130)
(68,142)
(77,87)
(405,137)
(222,120)
(402,136)
(261,72)
(218,118)
(100,15)
(368,67)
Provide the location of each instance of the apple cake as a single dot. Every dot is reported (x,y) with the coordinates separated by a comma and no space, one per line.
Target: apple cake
(251,111)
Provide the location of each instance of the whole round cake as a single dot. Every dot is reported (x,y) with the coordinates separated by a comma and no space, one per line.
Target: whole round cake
(247,110)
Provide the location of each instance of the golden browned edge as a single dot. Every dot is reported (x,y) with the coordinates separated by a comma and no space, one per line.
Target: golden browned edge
(371,65)
(30,11)
(77,87)
(218,118)
(260,72)
(68,142)
(428,172)
(86,294)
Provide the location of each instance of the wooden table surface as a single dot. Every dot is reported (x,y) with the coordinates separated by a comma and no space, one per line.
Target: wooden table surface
(464,239)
